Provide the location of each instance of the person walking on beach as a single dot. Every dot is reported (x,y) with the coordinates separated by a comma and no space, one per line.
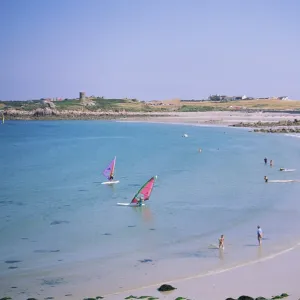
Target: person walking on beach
(266,160)
(259,234)
(221,242)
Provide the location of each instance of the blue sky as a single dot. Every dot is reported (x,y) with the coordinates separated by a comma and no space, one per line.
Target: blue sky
(149,49)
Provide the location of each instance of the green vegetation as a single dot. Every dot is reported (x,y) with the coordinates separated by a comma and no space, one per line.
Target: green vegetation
(21,105)
(142,297)
(255,104)
(132,105)
(193,108)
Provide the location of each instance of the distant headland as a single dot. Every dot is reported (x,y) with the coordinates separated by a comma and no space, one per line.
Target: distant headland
(219,110)
(94,107)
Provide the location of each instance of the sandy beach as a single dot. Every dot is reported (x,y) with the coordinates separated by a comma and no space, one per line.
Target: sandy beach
(224,118)
(270,276)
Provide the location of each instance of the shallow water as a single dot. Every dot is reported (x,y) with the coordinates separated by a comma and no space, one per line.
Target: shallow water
(57,220)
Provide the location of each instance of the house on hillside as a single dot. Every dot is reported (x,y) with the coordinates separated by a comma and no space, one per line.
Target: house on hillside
(283,98)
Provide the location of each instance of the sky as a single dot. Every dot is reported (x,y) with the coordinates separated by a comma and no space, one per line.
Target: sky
(149,49)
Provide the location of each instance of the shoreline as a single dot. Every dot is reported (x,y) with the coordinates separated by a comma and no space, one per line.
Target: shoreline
(206,283)
(218,284)
(268,122)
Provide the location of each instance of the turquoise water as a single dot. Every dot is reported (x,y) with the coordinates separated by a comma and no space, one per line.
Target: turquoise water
(57,219)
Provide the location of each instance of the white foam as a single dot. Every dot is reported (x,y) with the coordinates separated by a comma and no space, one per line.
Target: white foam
(214,272)
(293,135)
(283,181)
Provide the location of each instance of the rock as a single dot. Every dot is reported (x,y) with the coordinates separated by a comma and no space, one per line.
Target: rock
(12,262)
(145,260)
(6,298)
(44,112)
(267,124)
(245,298)
(277,130)
(52,113)
(284,295)
(167,287)
(230,299)
(32,299)
(50,105)
(261,298)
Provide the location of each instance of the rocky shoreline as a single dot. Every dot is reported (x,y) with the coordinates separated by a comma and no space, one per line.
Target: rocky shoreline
(288,123)
(286,126)
(277,130)
(53,114)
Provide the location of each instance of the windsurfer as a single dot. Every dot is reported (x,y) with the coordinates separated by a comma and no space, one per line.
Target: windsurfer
(140,200)
(266,178)
(111,177)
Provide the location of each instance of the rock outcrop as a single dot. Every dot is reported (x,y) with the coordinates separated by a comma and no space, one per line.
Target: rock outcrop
(48,113)
(277,130)
(296,122)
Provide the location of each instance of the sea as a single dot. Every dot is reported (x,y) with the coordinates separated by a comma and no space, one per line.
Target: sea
(63,235)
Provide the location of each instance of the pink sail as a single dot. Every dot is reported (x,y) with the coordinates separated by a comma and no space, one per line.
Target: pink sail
(109,171)
(145,191)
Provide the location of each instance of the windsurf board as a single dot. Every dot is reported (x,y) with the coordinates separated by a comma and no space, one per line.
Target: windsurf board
(129,204)
(110,182)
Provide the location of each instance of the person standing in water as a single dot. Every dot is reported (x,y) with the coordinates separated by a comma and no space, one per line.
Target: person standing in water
(265,160)
(259,235)
(271,163)
(221,242)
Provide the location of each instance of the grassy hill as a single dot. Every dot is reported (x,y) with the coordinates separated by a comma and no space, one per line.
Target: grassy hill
(132,105)
(256,104)
(92,104)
